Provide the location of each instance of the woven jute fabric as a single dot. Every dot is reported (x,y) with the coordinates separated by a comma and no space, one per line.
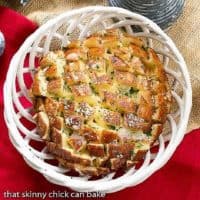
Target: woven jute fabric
(185,33)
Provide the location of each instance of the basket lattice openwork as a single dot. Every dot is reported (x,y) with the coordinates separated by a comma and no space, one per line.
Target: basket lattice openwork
(56,33)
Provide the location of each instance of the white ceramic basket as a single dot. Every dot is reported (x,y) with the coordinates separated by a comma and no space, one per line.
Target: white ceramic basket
(79,24)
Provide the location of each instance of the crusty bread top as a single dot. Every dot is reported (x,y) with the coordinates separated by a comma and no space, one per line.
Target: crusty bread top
(101,103)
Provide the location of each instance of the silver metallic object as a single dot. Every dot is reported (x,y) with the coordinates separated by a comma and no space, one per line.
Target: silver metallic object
(162,12)
(2,43)
(23,1)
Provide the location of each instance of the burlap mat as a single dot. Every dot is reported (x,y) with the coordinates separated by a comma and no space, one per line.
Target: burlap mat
(185,33)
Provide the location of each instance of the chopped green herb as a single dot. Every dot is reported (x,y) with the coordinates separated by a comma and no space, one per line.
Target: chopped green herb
(57,98)
(93,89)
(117,128)
(126,93)
(112,127)
(145,48)
(148,133)
(67,88)
(138,145)
(72,98)
(133,90)
(65,48)
(132,152)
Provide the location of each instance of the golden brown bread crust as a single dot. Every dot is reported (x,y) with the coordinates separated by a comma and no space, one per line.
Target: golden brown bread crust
(101,103)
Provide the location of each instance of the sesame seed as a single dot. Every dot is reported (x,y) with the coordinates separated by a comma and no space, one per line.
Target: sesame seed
(132,119)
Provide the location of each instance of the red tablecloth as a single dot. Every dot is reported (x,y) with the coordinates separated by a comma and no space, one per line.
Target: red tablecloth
(179,179)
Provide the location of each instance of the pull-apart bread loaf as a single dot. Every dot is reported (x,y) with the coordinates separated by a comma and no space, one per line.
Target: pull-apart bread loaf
(101,103)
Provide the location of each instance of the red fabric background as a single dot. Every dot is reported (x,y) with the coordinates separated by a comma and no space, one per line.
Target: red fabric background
(179,179)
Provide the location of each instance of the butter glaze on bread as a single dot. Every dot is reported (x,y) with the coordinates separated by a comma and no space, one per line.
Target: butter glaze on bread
(101,103)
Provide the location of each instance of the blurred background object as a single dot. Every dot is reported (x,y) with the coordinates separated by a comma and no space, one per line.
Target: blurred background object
(162,12)
(23,1)
(2,43)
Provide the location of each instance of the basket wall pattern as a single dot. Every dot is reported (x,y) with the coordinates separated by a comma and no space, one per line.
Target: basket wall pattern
(79,24)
